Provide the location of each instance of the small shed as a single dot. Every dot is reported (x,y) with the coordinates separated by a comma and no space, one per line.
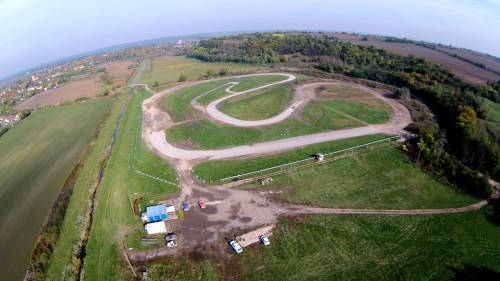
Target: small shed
(155,227)
(156,213)
(170,210)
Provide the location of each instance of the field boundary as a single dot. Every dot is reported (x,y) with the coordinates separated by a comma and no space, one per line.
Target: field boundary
(289,165)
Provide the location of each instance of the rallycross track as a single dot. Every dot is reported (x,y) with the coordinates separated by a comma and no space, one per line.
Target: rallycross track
(229,208)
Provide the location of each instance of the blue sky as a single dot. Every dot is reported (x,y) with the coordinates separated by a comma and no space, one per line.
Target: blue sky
(38,31)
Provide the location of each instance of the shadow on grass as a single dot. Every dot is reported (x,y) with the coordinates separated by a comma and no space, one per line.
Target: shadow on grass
(492,213)
(470,272)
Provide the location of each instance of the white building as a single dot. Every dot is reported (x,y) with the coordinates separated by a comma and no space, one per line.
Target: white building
(155,227)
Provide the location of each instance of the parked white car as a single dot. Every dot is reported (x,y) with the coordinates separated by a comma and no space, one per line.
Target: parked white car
(264,240)
(236,247)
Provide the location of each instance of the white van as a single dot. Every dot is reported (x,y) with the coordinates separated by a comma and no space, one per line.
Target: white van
(236,247)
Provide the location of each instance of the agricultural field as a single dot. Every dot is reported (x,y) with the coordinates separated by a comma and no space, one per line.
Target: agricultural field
(449,247)
(261,105)
(114,217)
(119,72)
(462,69)
(71,229)
(84,87)
(37,157)
(166,70)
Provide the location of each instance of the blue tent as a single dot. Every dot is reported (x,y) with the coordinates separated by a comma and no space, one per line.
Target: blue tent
(156,213)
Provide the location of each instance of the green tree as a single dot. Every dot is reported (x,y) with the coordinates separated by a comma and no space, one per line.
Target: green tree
(223,71)
(467,117)
(182,78)
(211,73)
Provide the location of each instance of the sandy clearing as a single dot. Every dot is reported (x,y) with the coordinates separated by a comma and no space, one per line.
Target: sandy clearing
(252,237)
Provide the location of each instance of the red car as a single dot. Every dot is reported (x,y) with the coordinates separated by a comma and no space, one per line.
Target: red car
(202,204)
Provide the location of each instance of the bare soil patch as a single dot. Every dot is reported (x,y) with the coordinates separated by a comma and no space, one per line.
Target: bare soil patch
(86,87)
(119,72)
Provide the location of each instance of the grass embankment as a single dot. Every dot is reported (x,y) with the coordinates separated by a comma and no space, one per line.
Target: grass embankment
(113,216)
(166,70)
(262,105)
(377,248)
(38,154)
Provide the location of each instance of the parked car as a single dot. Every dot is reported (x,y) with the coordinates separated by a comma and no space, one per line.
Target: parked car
(236,247)
(171,240)
(185,206)
(264,240)
(202,204)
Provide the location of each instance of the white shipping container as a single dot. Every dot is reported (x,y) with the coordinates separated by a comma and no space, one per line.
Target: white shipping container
(155,227)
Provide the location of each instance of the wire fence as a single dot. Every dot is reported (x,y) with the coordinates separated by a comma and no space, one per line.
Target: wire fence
(293,163)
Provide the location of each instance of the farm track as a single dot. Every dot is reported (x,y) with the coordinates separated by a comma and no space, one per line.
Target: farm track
(232,208)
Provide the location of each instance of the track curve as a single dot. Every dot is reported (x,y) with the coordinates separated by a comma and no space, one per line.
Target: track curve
(153,132)
(222,117)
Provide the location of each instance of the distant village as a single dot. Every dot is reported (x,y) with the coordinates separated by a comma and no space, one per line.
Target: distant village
(55,76)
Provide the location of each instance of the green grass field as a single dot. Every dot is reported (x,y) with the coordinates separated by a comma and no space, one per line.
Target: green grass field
(378,178)
(319,115)
(37,157)
(113,216)
(166,70)
(212,171)
(262,105)
(341,114)
(205,134)
(251,82)
(184,270)
(177,105)
(494,110)
(375,248)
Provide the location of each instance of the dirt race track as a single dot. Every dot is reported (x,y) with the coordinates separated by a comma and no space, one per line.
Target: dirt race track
(229,209)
